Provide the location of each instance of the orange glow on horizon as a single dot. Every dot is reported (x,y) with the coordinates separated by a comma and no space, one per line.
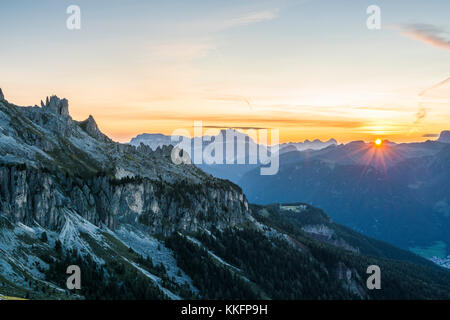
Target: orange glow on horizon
(295,124)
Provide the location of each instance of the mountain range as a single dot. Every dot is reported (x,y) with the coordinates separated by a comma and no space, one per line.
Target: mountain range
(398,192)
(141,227)
(155,140)
(240,163)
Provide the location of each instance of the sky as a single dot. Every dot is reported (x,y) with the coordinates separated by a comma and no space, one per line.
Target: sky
(309,68)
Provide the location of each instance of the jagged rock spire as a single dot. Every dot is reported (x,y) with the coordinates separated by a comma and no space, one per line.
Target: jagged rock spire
(56,105)
(2,97)
(90,126)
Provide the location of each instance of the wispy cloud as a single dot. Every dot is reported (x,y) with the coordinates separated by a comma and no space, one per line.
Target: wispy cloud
(232,98)
(251,17)
(238,128)
(192,46)
(240,121)
(420,114)
(183,50)
(230,20)
(430,135)
(428,33)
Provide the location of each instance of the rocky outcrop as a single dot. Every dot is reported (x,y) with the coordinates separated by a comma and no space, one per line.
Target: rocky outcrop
(90,126)
(2,97)
(57,106)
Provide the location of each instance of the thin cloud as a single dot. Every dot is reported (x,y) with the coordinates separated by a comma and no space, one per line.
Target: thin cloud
(429,34)
(420,115)
(183,50)
(232,98)
(430,135)
(252,17)
(271,120)
(195,47)
(239,128)
(231,20)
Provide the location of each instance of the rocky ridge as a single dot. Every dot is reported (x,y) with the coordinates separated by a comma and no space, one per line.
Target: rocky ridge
(50,163)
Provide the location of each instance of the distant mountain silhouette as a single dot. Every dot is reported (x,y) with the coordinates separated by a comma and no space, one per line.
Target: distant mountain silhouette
(399,193)
(444,137)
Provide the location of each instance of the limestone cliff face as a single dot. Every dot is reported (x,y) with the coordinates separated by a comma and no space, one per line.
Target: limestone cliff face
(50,163)
(28,195)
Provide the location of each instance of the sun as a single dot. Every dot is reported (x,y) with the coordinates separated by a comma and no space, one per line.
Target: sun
(378,142)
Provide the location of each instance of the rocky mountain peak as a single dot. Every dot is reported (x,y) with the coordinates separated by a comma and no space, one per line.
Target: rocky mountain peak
(92,121)
(56,105)
(2,97)
(90,126)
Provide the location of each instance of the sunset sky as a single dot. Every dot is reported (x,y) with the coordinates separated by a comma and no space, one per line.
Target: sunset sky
(312,68)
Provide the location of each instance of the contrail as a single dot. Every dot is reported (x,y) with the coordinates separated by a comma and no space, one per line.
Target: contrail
(440,84)
(422,112)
